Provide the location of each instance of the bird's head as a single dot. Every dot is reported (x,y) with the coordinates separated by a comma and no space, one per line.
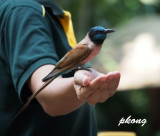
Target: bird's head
(98,34)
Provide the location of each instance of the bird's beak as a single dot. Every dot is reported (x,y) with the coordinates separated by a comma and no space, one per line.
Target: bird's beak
(109,31)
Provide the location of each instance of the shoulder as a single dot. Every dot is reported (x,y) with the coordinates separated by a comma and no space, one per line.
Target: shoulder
(26,7)
(17,3)
(9,5)
(28,4)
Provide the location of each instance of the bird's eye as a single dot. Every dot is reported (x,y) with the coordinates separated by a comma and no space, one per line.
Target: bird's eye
(96,31)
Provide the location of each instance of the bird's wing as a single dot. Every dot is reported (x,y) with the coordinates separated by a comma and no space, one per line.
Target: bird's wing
(79,53)
(72,58)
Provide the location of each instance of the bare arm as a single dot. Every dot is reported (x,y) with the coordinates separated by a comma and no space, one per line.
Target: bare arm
(64,95)
(59,97)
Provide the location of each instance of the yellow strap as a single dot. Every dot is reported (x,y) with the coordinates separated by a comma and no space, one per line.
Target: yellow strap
(43,11)
(68,28)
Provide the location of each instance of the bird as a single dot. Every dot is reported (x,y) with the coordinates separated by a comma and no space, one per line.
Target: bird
(80,54)
(83,52)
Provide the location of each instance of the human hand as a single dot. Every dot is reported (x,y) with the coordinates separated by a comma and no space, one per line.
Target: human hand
(94,87)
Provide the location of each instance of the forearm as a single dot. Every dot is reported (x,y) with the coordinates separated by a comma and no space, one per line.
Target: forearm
(64,95)
(59,97)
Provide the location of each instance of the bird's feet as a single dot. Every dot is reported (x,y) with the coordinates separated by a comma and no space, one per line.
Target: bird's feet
(82,68)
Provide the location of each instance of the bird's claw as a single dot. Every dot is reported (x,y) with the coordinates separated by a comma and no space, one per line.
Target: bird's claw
(82,68)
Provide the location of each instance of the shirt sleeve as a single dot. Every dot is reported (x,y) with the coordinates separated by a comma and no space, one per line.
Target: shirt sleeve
(29,45)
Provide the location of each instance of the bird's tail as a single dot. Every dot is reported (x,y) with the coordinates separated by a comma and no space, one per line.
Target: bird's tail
(32,97)
(52,74)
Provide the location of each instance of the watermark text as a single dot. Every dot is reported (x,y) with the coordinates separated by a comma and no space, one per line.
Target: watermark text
(128,120)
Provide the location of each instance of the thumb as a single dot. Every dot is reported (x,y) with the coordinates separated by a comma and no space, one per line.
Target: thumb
(82,78)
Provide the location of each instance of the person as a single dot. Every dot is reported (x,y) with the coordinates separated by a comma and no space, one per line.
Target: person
(34,36)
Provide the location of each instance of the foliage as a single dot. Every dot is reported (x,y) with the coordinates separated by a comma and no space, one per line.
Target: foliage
(108,13)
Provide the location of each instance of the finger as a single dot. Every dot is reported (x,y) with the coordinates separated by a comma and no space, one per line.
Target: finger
(111,87)
(98,82)
(85,92)
(82,78)
(114,79)
(107,89)
(94,98)
(99,91)
(108,78)
(114,84)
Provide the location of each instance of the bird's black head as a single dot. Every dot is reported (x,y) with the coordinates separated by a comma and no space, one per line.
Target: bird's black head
(98,34)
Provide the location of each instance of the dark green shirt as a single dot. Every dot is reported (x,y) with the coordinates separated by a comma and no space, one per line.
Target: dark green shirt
(29,40)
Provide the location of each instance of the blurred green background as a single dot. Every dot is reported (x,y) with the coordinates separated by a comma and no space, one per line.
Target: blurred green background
(134,50)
